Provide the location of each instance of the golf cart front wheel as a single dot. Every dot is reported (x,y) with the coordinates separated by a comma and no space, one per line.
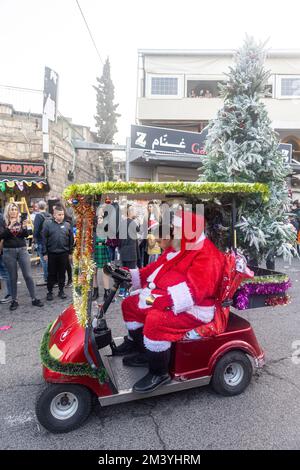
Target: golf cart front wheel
(232,374)
(63,407)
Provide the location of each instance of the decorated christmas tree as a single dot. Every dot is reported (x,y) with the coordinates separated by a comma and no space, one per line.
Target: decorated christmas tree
(242,147)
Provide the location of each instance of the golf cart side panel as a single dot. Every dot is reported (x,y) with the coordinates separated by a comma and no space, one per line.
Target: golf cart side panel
(196,358)
(67,336)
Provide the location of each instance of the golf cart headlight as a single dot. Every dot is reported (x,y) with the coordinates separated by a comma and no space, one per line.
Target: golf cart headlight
(55,352)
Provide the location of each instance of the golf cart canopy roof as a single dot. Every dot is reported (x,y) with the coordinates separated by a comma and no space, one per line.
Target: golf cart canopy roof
(207,190)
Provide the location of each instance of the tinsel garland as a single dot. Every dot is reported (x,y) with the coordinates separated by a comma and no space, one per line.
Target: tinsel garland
(71,368)
(276,279)
(278,300)
(207,188)
(83,263)
(242,297)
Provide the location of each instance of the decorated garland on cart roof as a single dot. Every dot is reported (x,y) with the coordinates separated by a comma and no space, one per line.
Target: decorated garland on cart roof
(206,189)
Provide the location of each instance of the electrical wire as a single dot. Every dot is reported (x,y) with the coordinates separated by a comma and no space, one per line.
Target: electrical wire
(91,36)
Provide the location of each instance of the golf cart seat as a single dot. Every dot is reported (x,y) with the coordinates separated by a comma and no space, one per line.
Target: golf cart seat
(193,357)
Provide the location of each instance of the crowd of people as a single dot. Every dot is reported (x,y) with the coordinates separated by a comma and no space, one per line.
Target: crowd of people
(194,93)
(135,248)
(295,221)
(52,237)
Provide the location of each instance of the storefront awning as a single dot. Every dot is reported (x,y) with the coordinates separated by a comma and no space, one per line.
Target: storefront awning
(20,174)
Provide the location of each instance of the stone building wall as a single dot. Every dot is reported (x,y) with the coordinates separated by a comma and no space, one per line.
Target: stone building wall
(21,139)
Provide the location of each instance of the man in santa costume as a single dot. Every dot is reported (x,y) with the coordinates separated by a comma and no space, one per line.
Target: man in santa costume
(177,294)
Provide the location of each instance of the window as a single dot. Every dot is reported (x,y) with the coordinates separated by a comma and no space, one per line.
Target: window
(288,86)
(164,86)
(197,88)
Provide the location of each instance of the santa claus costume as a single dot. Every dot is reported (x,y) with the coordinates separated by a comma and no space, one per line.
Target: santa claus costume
(185,285)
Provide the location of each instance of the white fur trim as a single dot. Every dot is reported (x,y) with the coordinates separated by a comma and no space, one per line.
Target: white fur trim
(201,238)
(181,296)
(204,314)
(135,278)
(146,292)
(133,325)
(156,346)
(153,275)
(172,255)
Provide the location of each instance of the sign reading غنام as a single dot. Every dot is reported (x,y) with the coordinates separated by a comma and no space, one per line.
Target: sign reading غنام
(168,140)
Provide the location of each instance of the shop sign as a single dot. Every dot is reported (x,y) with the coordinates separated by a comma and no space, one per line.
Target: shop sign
(159,139)
(33,171)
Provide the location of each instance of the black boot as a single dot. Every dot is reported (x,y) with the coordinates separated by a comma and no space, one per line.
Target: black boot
(158,372)
(127,347)
(106,294)
(95,293)
(139,359)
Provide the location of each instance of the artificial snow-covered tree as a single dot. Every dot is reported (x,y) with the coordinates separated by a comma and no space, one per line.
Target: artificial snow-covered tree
(242,147)
(106,117)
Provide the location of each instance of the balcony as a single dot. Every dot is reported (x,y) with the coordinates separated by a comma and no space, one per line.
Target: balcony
(284,113)
(198,109)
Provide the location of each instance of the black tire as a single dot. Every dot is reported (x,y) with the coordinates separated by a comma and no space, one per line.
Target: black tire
(232,374)
(72,408)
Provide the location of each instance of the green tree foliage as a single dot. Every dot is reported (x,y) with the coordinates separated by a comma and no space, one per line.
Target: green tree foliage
(106,116)
(242,147)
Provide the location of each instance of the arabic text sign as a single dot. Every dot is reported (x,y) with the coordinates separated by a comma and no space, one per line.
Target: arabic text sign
(168,140)
(18,169)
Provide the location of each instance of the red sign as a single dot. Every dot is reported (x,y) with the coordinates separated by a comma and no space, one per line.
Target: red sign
(23,170)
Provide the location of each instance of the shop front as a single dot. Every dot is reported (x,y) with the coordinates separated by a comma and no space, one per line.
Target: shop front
(22,180)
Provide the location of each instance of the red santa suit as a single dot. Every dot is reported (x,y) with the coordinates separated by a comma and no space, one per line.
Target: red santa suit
(186,287)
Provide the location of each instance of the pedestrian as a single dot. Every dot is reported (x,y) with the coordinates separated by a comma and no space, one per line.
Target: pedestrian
(128,244)
(153,248)
(39,220)
(3,271)
(14,232)
(58,244)
(101,257)
(69,217)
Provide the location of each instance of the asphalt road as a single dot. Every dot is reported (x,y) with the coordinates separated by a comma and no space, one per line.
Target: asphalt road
(265,416)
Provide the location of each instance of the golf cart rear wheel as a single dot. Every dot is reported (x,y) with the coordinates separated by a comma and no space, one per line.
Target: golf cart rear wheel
(63,407)
(232,374)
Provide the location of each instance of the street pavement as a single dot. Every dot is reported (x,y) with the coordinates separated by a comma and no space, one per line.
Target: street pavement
(265,416)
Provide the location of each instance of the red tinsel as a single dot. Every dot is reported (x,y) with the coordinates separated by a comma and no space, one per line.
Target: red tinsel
(279,300)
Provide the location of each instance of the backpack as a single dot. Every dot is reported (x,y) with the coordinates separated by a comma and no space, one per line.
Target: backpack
(45,217)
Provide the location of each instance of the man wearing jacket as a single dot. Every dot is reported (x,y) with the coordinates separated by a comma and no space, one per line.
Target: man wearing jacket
(58,243)
(39,221)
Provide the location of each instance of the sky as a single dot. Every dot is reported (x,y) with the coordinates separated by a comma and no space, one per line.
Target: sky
(39,33)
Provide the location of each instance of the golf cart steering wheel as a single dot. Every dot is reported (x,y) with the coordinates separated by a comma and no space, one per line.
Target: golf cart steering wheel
(118,274)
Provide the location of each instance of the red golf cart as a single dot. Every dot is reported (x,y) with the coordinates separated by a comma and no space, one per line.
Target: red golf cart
(77,349)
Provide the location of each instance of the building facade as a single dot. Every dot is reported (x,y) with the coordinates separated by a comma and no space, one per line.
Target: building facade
(26,171)
(178,89)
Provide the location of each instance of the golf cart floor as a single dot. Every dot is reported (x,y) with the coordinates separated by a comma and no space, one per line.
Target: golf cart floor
(125,377)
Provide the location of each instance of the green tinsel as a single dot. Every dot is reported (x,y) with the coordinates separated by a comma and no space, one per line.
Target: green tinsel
(267,279)
(207,188)
(67,368)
